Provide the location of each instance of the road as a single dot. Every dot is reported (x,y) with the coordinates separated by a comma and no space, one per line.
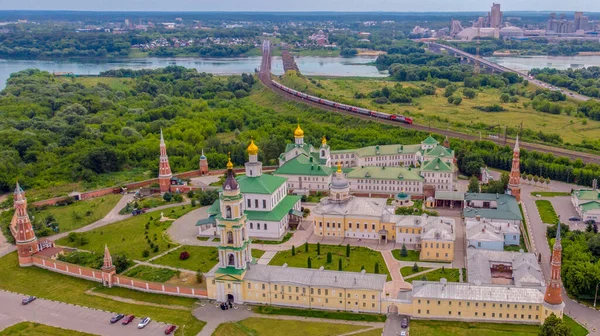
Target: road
(265,77)
(67,316)
(500,68)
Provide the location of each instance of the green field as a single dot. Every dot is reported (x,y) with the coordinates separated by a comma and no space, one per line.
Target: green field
(372,332)
(115,83)
(408,270)
(271,327)
(79,214)
(54,286)
(436,110)
(128,236)
(201,258)
(257,253)
(550,193)
(359,256)
(36,329)
(451,274)
(149,273)
(576,328)
(450,328)
(274,242)
(324,314)
(546,211)
(146,297)
(412,255)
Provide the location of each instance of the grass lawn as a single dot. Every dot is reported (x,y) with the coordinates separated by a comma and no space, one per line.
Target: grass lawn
(146,297)
(408,270)
(525,235)
(201,258)
(550,193)
(412,255)
(372,332)
(274,242)
(576,328)
(451,328)
(359,256)
(128,236)
(54,286)
(257,253)
(149,273)
(36,329)
(271,327)
(78,214)
(113,82)
(326,314)
(451,274)
(146,203)
(546,211)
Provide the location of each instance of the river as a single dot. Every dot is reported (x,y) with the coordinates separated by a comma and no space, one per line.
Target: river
(308,65)
(558,62)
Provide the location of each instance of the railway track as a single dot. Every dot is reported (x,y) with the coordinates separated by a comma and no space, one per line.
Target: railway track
(264,75)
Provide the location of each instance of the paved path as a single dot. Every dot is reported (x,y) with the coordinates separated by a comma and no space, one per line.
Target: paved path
(164,253)
(420,273)
(136,302)
(266,258)
(67,316)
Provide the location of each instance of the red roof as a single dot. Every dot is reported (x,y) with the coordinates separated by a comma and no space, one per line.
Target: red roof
(50,252)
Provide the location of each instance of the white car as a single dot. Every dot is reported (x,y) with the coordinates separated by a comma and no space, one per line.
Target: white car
(144,322)
(403,333)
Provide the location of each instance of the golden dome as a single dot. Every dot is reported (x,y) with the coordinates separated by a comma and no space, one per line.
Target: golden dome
(299,133)
(324,141)
(339,167)
(252,148)
(229,164)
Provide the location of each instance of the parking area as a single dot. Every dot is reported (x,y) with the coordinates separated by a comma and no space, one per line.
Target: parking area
(565,209)
(393,325)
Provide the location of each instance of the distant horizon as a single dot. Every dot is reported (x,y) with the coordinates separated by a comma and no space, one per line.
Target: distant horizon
(291,11)
(306,6)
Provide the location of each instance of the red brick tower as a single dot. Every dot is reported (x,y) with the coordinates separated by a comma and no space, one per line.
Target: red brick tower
(514,184)
(203,164)
(108,269)
(164,170)
(27,244)
(554,291)
(446,142)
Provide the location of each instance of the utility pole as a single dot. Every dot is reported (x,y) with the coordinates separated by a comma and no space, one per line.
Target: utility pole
(596,296)
(477,67)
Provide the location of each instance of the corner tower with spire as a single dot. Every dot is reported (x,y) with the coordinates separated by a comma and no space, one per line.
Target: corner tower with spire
(22,230)
(164,169)
(553,302)
(514,183)
(108,269)
(203,164)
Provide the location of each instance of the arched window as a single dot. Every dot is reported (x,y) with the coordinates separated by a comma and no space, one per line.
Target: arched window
(323,153)
(228,211)
(229,237)
(231,260)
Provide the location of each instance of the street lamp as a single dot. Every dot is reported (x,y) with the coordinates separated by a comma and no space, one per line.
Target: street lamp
(596,295)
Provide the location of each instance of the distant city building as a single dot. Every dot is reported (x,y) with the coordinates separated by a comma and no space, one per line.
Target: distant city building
(495,16)
(455,27)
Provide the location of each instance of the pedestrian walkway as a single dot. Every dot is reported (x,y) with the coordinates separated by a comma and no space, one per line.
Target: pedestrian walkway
(164,253)
(420,273)
(137,302)
(266,258)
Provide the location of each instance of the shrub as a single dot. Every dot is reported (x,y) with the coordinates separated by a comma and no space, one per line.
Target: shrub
(145,253)
(184,255)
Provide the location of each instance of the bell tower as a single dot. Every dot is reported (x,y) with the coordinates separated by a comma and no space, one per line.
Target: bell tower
(253,166)
(325,152)
(108,269)
(164,169)
(234,250)
(299,136)
(22,230)
(514,183)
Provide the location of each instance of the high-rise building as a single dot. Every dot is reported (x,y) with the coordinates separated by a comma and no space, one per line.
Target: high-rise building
(495,16)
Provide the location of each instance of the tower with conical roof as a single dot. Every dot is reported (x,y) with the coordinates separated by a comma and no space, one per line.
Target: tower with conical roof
(164,169)
(325,152)
(253,166)
(553,301)
(203,164)
(108,269)
(514,183)
(299,135)
(446,142)
(22,230)
(234,250)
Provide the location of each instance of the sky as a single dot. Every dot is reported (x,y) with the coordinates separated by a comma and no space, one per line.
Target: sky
(302,5)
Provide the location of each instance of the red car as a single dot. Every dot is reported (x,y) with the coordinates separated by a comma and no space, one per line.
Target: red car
(170,329)
(127,320)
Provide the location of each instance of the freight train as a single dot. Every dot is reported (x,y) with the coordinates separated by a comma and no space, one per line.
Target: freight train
(350,108)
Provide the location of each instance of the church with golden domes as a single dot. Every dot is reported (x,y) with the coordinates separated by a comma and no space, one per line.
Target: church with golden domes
(270,211)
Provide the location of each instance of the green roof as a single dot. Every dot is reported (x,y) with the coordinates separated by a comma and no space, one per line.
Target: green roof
(440,151)
(283,208)
(430,141)
(206,221)
(507,209)
(381,150)
(450,195)
(587,194)
(215,208)
(436,165)
(301,165)
(386,173)
(590,206)
(230,271)
(264,184)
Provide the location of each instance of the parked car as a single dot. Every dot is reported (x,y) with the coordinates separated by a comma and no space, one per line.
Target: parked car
(170,329)
(136,212)
(404,322)
(116,318)
(574,219)
(144,322)
(403,333)
(128,320)
(28,300)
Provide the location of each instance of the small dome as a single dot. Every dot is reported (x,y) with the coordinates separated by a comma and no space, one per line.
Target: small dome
(298,133)
(402,196)
(252,148)
(229,164)
(339,183)
(323,140)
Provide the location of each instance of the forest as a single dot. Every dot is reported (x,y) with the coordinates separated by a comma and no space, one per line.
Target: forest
(487,46)
(585,81)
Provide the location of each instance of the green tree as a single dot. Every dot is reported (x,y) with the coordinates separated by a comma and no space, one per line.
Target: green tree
(318,248)
(329,260)
(293,250)
(504,98)
(340,264)
(415,268)
(554,326)
(469,93)
(376,268)
(308,263)
(199,276)
(306,247)
(403,251)
(362,267)
(347,250)
(168,197)
(473,185)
